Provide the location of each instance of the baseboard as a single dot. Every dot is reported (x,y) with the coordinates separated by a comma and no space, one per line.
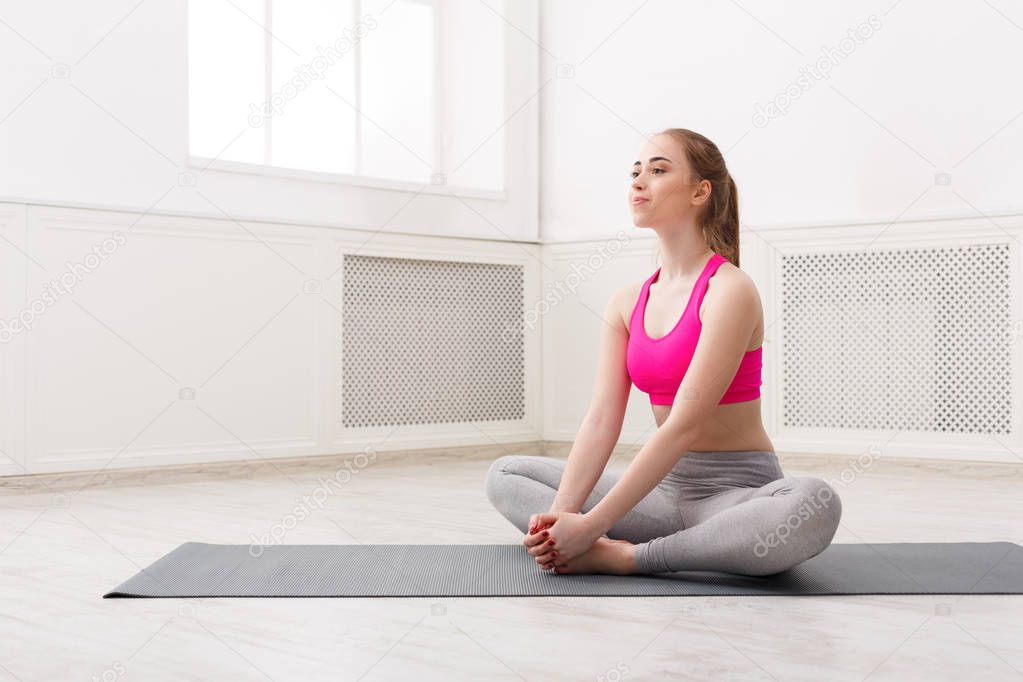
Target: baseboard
(841,468)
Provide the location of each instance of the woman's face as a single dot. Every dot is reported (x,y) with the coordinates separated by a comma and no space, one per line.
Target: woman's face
(663,190)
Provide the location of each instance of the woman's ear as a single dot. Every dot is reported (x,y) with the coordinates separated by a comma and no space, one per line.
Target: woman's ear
(702,194)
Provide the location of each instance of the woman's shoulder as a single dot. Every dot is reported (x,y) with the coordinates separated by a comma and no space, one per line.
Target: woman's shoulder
(732,284)
(624,300)
(732,277)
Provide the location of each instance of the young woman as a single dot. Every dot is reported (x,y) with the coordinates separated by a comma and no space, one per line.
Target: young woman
(706,492)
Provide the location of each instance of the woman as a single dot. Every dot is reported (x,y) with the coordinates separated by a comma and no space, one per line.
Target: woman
(706,492)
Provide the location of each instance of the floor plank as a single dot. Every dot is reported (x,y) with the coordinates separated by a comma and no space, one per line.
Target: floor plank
(60,550)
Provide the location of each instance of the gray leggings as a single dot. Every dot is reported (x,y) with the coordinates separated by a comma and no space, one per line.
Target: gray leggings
(727,510)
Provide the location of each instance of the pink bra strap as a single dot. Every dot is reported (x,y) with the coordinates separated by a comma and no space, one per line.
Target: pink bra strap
(641,300)
(701,284)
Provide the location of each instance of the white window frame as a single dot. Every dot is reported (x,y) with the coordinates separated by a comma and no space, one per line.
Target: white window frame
(354,179)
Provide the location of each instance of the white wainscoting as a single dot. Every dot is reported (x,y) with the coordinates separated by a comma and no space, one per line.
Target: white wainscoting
(194,340)
(199,339)
(14,264)
(911,235)
(572,333)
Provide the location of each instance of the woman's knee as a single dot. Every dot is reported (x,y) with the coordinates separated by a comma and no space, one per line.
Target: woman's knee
(498,471)
(826,499)
(820,508)
(813,497)
(501,472)
(807,529)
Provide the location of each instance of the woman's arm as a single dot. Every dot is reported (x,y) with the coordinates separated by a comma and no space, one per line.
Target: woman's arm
(726,331)
(586,461)
(602,425)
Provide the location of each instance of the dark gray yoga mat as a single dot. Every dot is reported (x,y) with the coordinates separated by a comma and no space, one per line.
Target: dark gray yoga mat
(197,569)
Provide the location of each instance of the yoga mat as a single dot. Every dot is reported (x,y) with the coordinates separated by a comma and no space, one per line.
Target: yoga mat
(197,569)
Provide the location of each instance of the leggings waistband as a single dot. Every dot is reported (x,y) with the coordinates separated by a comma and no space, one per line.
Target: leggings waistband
(728,454)
(734,467)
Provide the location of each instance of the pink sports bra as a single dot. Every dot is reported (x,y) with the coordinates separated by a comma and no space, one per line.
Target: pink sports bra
(657,366)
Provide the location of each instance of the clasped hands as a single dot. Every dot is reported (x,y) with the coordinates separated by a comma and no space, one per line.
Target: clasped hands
(556,537)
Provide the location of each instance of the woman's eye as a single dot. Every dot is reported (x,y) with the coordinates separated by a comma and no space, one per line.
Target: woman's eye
(655,170)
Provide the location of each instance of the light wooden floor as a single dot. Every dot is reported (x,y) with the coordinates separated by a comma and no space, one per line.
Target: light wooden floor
(61,550)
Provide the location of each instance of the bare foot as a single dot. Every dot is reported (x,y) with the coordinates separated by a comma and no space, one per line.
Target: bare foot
(616,557)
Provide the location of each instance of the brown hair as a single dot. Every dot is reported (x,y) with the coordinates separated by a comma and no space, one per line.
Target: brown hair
(719,219)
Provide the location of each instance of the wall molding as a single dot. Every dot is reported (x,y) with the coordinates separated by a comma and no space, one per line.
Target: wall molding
(44,228)
(552,414)
(761,257)
(13,374)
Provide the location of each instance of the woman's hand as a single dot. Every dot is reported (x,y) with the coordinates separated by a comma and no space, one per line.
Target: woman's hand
(535,525)
(536,542)
(538,545)
(561,537)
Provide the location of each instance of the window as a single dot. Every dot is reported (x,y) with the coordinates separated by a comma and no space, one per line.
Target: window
(278,85)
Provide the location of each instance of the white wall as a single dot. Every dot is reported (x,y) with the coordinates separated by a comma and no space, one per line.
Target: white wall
(853,163)
(112,133)
(189,340)
(855,153)
(931,91)
(206,290)
(579,278)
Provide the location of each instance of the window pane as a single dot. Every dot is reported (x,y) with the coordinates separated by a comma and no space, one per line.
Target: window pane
(474,94)
(313,85)
(397,87)
(225,79)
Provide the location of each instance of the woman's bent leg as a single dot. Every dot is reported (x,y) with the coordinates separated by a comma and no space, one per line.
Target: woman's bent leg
(522,485)
(752,531)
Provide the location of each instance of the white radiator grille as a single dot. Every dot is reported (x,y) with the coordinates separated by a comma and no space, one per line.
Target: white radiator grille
(913,339)
(430,341)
